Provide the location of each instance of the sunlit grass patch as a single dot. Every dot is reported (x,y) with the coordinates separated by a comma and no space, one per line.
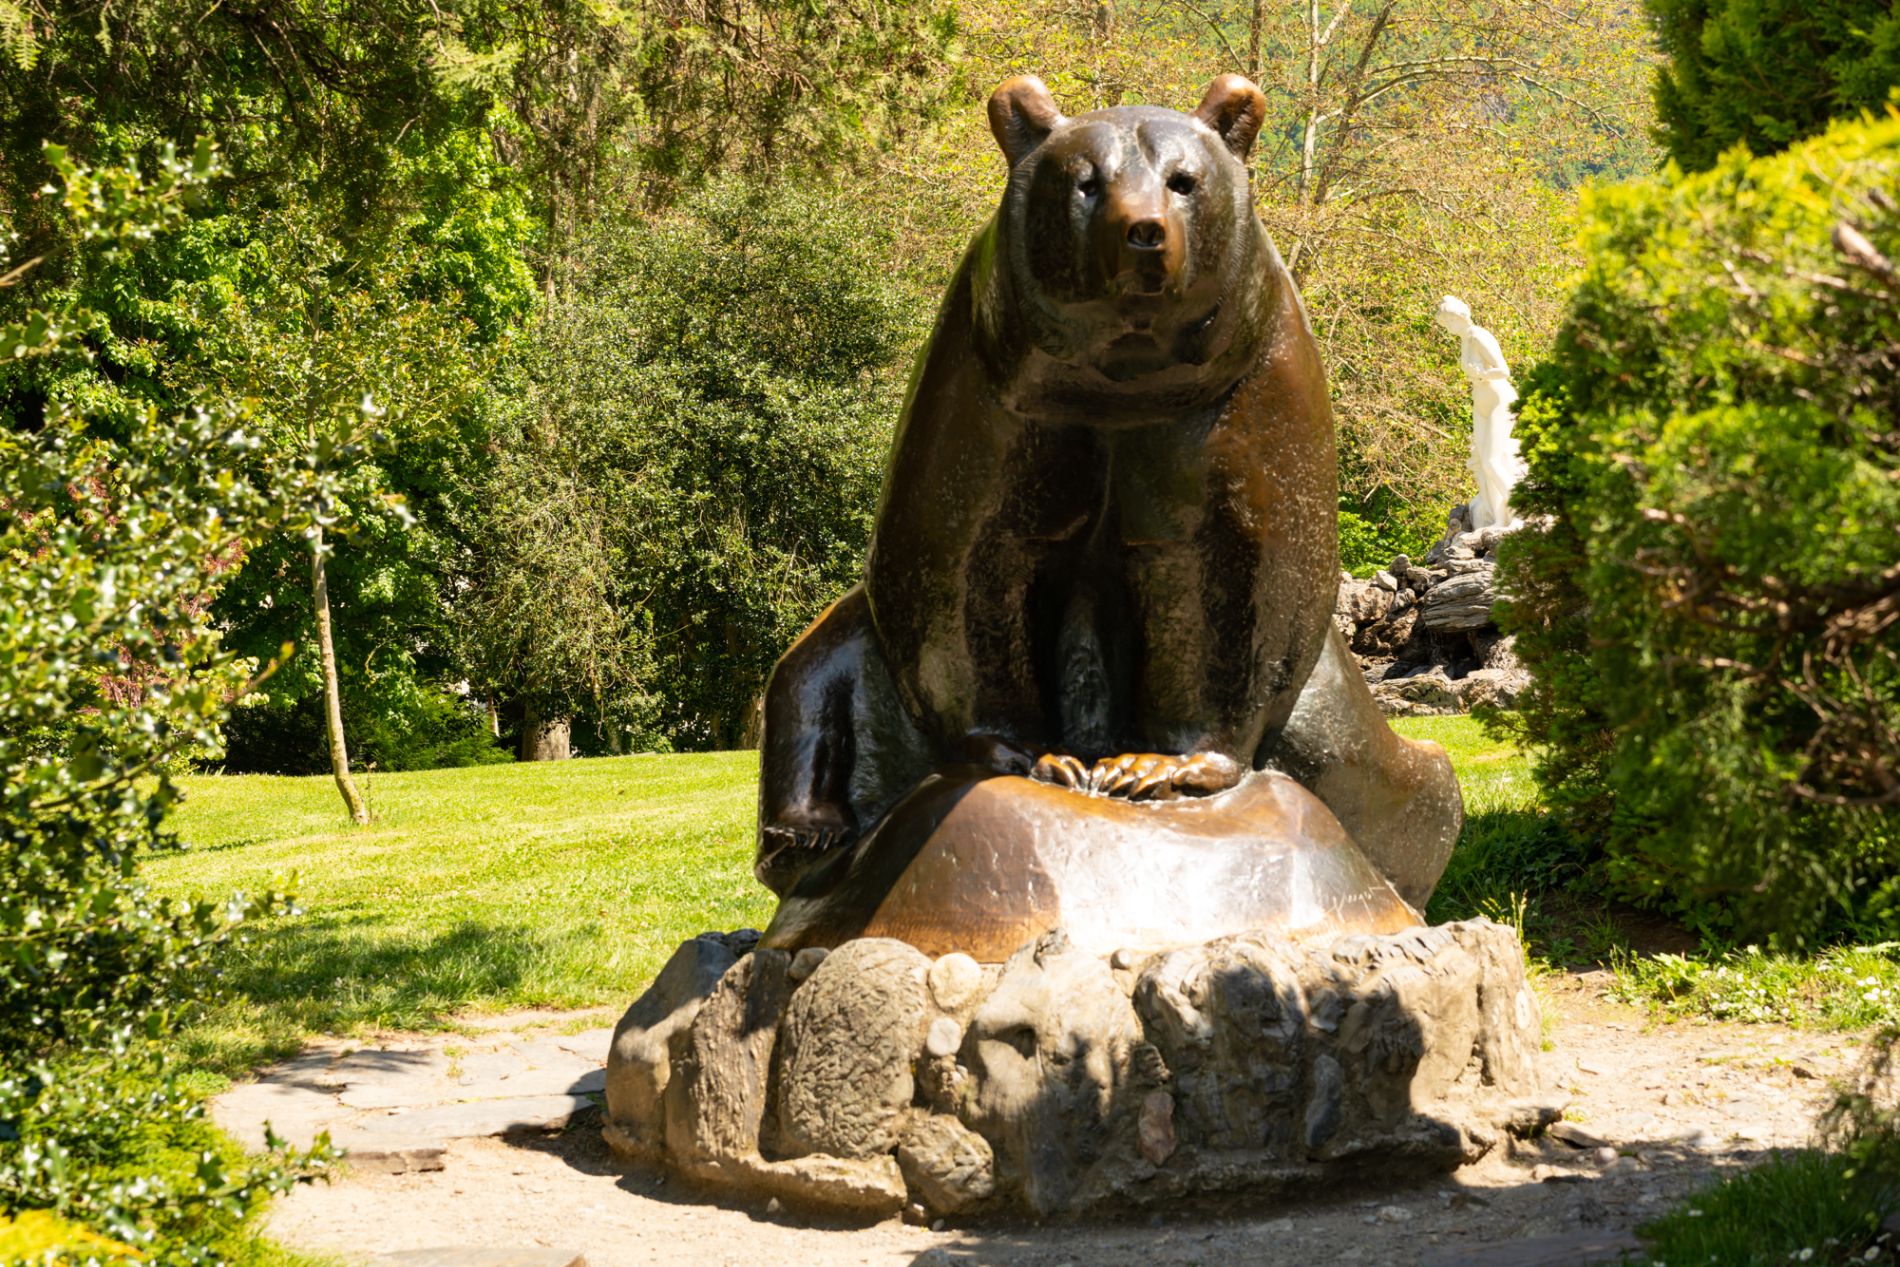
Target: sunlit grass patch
(1843,987)
(559,885)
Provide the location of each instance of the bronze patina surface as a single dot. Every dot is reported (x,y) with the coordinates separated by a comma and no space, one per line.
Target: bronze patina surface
(1102,572)
(987,863)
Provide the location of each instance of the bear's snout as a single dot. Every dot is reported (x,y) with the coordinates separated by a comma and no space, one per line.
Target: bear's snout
(1147,235)
(1141,249)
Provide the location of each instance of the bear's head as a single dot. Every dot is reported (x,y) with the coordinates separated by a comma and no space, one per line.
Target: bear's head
(1128,260)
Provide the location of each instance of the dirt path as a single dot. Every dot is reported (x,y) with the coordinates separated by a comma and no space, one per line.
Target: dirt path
(1655,1110)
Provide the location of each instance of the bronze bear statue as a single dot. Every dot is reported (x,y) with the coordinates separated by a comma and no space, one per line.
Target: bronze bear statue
(1104,561)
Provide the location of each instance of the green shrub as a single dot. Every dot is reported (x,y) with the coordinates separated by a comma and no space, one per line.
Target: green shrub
(693,470)
(1711,615)
(37,1237)
(1371,535)
(114,534)
(1766,73)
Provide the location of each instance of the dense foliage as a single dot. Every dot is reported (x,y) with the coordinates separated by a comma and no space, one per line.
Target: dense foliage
(114,534)
(690,474)
(406,182)
(1765,73)
(1712,614)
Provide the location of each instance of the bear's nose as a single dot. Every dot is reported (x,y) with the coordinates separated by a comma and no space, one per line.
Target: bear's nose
(1147,235)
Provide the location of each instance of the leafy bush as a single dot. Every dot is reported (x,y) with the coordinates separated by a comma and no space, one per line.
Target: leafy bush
(38,1237)
(692,474)
(1369,540)
(1766,73)
(1711,616)
(113,536)
(396,725)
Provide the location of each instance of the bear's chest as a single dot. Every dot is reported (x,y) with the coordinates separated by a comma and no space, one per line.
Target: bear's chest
(1132,490)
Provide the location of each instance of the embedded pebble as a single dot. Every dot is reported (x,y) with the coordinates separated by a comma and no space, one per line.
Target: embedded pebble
(944,1038)
(954,980)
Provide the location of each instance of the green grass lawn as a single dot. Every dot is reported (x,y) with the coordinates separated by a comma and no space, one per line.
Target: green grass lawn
(497,887)
(568,884)
(550,885)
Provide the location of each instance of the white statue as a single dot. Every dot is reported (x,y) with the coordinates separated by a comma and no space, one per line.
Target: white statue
(1494,456)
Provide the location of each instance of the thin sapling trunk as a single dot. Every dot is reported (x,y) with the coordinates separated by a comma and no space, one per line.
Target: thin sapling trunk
(332,693)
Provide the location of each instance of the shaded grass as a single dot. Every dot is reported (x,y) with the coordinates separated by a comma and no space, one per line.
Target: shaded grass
(1513,864)
(1796,1207)
(1509,853)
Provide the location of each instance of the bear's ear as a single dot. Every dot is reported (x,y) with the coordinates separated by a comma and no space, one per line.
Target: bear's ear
(1022,113)
(1235,108)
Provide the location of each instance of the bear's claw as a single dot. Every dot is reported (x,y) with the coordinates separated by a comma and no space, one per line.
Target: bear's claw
(815,839)
(1061,770)
(1142,776)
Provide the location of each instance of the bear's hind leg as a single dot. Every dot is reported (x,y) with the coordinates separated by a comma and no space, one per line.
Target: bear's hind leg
(838,749)
(1397,798)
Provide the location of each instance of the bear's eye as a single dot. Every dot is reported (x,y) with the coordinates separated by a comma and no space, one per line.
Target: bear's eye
(1182,183)
(1089,185)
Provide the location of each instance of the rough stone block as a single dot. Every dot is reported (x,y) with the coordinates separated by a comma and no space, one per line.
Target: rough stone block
(715,1100)
(947,1166)
(476,1118)
(954,980)
(1049,1049)
(869,1186)
(639,1057)
(852,1034)
(1249,1063)
(1459,602)
(395,1155)
(1229,1020)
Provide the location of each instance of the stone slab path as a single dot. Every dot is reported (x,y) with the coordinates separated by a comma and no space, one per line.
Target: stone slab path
(489,1142)
(394,1104)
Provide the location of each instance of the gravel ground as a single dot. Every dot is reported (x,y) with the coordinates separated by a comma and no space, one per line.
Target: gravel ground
(1655,1111)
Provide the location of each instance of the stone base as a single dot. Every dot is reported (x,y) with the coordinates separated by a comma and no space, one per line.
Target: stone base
(873,1078)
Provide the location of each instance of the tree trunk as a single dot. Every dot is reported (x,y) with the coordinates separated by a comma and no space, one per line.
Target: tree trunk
(543,738)
(494,717)
(332,693)
(1253,39)
(1309,138)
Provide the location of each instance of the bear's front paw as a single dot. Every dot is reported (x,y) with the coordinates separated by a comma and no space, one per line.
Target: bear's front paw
(1152,776)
